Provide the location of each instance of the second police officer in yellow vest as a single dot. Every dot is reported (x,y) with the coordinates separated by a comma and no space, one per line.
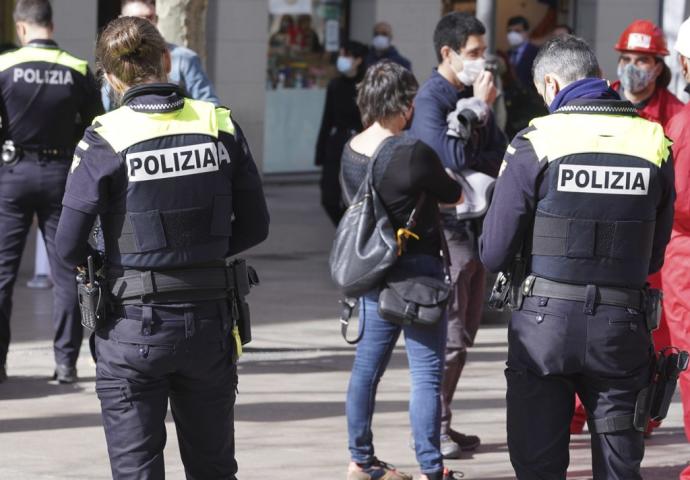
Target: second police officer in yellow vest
(47,98)
(586,194)
(177,191)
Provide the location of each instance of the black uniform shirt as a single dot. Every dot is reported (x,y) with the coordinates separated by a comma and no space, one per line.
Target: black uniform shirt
(47,96)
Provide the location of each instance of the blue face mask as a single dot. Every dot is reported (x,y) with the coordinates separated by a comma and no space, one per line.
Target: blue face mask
(381,42)
(634,79)
(344,65)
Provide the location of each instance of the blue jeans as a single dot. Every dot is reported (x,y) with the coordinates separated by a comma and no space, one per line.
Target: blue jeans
(425,347)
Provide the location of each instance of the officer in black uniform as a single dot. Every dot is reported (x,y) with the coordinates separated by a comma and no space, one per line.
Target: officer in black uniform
(177,192)
(47,98)
(586,193)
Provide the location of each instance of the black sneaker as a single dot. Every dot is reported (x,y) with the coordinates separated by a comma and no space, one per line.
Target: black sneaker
(446,474)
(451,475)
(65,374)
(466,442)
(3,373)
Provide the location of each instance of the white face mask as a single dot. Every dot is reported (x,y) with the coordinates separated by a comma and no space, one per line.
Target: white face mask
(515,39)
(344,65)
(471,69)
(381,42)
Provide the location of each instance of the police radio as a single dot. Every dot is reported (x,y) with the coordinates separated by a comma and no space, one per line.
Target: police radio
(89,294)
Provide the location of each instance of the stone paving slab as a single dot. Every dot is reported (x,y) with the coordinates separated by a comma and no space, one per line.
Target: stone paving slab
(290,412)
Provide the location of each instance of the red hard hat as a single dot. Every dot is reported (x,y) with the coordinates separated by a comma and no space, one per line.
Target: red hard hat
(642,36)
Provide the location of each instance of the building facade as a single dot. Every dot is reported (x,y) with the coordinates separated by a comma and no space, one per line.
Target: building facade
(271,71)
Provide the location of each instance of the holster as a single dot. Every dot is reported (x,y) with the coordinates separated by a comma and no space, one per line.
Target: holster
(507,291)
(498,298)
(655,399)
(670,363)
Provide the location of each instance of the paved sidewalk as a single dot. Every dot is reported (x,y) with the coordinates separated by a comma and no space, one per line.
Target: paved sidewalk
(290,412)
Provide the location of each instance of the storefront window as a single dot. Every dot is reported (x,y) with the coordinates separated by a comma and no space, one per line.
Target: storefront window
(304,38)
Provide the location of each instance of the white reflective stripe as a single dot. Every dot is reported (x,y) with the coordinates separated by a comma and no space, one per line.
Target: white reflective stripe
(510,150)
(83,145)
(76,160)
(610,180)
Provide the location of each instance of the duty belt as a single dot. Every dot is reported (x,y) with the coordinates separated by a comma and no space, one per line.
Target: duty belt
(181,285)
(47,152)
(619,297)
(12,152)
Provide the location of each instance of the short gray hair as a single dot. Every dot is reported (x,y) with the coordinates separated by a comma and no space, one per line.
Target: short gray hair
(386,90)
(34,12)
(569,57)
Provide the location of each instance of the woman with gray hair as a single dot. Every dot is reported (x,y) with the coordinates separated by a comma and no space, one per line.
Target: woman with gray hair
(403,170)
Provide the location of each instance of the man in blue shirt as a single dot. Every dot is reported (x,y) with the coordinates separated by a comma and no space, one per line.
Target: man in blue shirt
(186,69)
(453,116)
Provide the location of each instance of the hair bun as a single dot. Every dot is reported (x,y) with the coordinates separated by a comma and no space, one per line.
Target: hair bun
(131,48)
(127,45)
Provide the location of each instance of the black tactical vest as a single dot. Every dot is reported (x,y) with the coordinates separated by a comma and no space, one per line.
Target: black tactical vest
(596,223)
(178,190)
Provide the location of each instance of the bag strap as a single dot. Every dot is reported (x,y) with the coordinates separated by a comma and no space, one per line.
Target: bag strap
(348,307)
(369,177)
(374,157)
(445,251)
(402,235)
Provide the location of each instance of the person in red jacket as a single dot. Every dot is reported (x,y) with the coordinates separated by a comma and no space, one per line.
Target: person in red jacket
(674,274)
(642,79)
(642,74)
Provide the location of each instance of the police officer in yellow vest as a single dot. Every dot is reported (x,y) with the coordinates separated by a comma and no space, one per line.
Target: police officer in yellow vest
(47,99)
(586,198)
(177,192)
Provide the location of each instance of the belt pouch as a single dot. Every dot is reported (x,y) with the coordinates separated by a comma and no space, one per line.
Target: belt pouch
(653,308)
(240,307)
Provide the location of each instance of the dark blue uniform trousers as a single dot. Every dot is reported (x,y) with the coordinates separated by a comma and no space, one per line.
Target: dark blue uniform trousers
(27,188)
(147,355)
(556,350)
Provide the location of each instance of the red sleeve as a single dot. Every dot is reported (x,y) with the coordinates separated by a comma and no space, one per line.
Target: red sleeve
(679,130)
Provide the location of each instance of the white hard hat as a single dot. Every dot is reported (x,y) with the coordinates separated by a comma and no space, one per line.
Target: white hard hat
(683,41)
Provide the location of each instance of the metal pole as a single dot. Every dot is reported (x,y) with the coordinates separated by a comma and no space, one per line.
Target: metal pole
(486,13)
